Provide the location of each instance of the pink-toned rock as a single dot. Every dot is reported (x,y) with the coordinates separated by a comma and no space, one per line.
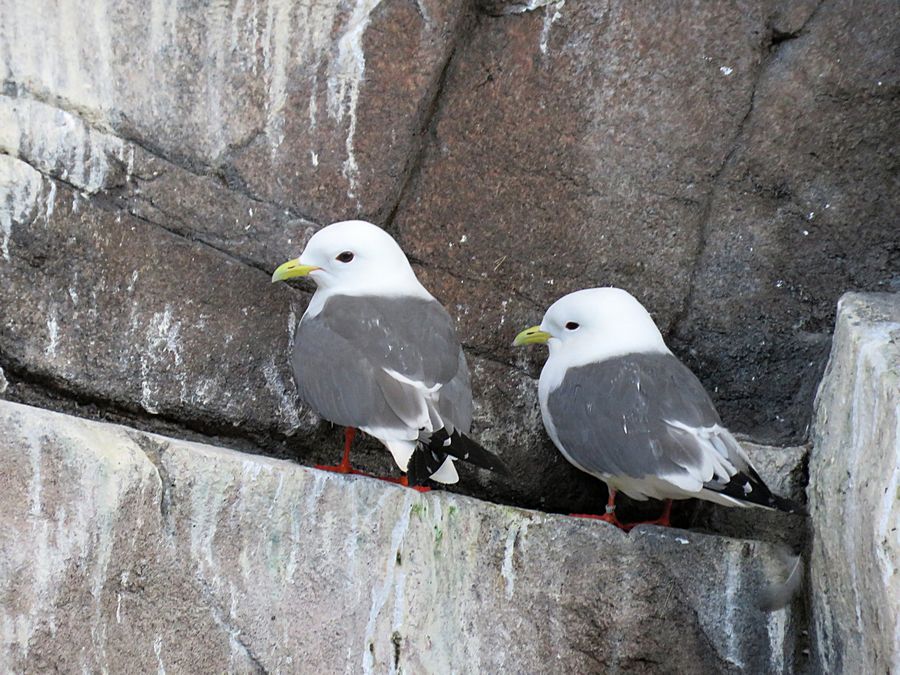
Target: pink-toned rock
(716,159)
(680,151)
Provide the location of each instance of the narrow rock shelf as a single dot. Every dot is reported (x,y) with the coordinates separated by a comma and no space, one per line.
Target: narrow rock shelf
(125,551)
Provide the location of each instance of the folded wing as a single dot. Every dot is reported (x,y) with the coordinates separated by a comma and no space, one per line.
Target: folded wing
(647,419)
(392,367)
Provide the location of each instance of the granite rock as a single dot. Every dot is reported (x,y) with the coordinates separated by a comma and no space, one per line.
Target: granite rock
(719,160)
(803,211)
(115,308)
(130,551)
(518,150)
(314,106)
(854,498)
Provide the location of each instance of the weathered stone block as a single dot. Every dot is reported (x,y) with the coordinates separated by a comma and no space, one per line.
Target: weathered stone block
(113,307)
(574,147)
(63,146)
(715,159)
(132,552)
(804,210)
(313,105)
(720,160)
(854,491)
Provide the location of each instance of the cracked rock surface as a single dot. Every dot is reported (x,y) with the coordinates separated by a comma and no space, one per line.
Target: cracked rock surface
(733,164)
(150,553)
(730,162)
(718,160)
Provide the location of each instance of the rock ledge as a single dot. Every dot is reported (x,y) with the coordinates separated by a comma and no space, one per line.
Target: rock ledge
(125,551)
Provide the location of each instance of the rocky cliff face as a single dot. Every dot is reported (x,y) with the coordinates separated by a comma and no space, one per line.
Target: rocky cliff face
(733,164)
(128,551)
(729,163)
(854,492)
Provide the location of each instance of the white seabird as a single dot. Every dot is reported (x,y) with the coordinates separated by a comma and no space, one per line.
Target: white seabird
(620,406)
(375,351)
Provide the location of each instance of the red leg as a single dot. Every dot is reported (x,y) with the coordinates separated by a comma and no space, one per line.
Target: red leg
(611,501)
(344,466)
(609,516)
(663,520)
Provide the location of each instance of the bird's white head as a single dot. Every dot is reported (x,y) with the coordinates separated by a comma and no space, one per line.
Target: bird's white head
(354,257)
(593,325)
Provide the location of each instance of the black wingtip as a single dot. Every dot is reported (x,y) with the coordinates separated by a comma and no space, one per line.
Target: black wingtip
(430,454)
(465,449)
(747,486)
(424,463)
(768,498)
(418,470)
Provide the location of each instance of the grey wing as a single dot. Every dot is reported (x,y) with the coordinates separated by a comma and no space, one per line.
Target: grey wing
(455,403)
(411,336)
(641,415)
(407,353)
(337,380)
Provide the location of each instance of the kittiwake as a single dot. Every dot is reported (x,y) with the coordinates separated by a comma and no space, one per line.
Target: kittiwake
(620,406)
(375,351)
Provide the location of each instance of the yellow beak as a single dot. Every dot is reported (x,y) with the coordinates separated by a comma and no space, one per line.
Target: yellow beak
(291,269)
(532,336)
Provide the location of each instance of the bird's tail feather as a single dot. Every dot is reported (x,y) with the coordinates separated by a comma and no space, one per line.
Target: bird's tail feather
(423,465)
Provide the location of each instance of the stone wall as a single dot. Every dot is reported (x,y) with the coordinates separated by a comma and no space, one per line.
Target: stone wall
(124,550)
(731,163)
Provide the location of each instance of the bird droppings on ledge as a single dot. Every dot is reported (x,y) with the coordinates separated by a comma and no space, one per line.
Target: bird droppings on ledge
(515,536)
(260,537)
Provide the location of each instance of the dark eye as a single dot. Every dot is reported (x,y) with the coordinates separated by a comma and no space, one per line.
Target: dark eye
(345,257)
(571,326)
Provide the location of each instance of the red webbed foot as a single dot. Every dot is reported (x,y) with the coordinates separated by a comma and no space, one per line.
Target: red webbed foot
(404,481)
(341,468)
(610,515)
(344,467)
